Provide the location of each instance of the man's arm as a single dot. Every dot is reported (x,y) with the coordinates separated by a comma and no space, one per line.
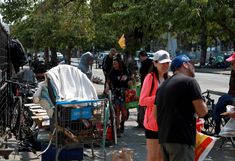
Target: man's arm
(200,107)
(229,114)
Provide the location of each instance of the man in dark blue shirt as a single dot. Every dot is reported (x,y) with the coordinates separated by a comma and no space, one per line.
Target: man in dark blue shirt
(178,100)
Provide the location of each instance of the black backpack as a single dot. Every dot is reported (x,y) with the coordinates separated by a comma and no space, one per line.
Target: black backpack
(17,54)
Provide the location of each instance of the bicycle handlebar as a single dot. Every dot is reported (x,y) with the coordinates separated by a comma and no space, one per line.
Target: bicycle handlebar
(24,85)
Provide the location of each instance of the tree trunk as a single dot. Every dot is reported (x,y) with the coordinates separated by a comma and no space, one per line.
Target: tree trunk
(53,57)
(133,41)
(46,55)
(69,55)
(203,43)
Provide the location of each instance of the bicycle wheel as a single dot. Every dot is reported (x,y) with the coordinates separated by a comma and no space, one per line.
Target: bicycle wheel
(209,125)
(15,114)
(112,118)
(113,123)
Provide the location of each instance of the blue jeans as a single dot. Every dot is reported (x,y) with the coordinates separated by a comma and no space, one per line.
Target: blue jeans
(220,107)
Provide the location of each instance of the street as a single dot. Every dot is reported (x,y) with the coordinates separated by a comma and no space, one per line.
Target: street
(217,82)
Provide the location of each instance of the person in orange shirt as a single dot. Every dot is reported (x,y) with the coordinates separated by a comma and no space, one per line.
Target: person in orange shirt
(158,73)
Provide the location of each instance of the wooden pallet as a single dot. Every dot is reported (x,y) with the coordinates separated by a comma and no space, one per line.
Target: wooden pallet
(39,115)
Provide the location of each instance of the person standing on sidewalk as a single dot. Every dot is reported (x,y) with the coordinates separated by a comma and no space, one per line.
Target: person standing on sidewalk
(85,64)
(178,99)
(146,63)
(158,74)
(117,82)
(107,65)
(226,99)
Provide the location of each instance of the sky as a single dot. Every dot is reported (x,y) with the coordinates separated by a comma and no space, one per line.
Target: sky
(0,13)
(4,25)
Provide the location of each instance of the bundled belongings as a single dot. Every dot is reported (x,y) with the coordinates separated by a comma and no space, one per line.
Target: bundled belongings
(17,54)
(64,83)
(124,154)
(69,83)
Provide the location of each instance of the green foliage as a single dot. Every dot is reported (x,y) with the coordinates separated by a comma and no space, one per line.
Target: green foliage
(82,24)
(15,10)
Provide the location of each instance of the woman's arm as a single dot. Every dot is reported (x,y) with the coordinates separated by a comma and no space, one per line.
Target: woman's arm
(146,99)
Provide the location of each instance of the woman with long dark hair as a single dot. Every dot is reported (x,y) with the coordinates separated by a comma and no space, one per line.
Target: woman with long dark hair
(158,73)
(118,83)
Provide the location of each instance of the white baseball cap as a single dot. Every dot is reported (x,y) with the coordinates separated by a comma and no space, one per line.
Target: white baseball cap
(162,56)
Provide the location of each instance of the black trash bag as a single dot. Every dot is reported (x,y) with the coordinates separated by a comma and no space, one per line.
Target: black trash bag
(17,54)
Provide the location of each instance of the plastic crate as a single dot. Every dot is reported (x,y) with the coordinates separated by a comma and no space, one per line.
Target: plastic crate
(81,113)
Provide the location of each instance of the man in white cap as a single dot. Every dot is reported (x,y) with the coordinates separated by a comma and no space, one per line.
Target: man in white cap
(227,99)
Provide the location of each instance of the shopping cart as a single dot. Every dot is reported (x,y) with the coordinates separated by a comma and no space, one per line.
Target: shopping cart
(79,119)
(82,122)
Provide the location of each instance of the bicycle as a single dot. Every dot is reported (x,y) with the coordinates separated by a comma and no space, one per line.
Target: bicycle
(209,124)
(21,124)
(119,94)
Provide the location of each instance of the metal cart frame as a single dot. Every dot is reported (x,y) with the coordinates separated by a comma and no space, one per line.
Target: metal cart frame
(62,122)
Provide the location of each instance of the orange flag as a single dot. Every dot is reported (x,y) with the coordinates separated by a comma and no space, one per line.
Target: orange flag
(122,42)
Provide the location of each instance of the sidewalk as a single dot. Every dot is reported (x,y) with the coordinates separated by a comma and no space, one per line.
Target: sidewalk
(134,138)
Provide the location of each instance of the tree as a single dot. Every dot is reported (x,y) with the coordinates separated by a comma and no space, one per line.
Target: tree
(53,24)
(100,23)
(222,13)
(13,11)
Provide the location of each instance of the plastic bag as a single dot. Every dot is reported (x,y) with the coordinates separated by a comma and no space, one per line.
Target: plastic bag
(123,155)
(229,129)
(199,124)
(132,97)
(204,144)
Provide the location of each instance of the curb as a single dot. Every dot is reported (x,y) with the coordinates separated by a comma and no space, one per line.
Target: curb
(214,71)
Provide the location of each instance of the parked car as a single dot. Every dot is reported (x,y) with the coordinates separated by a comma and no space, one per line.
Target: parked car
(41,57)
(100,58)
(60,57)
